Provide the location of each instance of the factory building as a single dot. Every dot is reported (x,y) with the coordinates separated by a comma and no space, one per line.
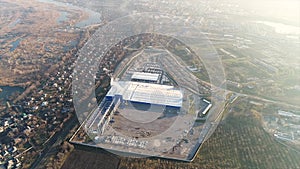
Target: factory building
(146,93)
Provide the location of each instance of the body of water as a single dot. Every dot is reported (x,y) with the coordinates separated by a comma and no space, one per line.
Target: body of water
(94,17)
(7,91)
(15,44)
(63,17)
(71,45)
(282,28)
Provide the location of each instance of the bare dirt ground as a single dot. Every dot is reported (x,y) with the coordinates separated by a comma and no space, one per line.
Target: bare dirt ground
(136,129)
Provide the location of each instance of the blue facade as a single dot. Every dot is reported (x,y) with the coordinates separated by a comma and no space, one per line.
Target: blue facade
(110,98)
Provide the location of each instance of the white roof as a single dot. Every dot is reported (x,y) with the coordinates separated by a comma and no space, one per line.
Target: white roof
(145,76)
(147,93)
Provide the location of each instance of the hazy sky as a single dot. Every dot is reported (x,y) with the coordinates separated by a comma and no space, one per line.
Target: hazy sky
(280,9)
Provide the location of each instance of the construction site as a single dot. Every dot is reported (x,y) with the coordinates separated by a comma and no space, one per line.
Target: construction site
(151,109)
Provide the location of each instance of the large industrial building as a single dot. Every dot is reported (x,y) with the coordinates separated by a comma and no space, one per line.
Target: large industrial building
(146,88)
(147,93)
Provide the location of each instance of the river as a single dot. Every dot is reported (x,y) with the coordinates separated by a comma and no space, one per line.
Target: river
(94,17)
